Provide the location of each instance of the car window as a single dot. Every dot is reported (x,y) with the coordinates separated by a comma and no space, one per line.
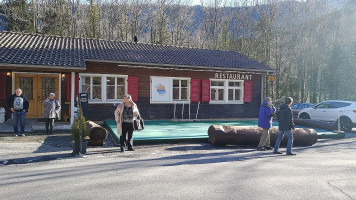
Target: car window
(339,104)
(323,105)
(294,106)
(301,106)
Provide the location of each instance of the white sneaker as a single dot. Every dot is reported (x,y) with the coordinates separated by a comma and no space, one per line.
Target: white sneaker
(16,135)
(23,135)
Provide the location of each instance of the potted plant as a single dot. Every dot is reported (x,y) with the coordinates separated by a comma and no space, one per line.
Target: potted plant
(78,131)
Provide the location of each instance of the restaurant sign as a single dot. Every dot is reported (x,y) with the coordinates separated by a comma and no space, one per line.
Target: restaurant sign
(233,76)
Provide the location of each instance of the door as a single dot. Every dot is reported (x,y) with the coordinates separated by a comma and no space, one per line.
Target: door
(320,111)
(36,87)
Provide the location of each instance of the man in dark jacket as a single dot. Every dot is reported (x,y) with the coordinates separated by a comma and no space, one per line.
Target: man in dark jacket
(265,115)
(286,126)
(19,105)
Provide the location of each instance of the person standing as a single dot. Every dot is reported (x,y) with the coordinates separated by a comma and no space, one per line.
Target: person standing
(286,126)
(125,114)
(19,106)
(265,116)
(51,112)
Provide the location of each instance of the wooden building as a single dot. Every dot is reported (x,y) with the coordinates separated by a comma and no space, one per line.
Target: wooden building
(165,81)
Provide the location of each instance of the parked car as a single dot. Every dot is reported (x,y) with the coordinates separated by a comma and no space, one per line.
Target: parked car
(333,110)
(297,107)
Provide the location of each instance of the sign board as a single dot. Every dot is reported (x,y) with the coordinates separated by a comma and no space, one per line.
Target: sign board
(161,89)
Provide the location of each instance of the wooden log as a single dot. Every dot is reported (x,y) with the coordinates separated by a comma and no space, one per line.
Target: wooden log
(248,135)
(316,124)
(96,133)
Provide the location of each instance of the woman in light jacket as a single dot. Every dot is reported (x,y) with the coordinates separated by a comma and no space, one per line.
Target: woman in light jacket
(51,112)
(125,114)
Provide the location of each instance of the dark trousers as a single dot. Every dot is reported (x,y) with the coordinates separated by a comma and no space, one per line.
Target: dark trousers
(127,130)
(19,116)
(49,125)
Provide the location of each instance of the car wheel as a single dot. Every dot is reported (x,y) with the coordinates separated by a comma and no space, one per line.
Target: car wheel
(345,124)
(304,116)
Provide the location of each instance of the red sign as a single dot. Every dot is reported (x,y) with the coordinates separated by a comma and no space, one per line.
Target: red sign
(2,85)
(205,91)
(132,87)
(195,90)
(248,91)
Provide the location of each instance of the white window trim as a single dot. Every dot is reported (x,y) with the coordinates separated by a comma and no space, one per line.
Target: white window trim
(171,101)
(103,99)
(226,92)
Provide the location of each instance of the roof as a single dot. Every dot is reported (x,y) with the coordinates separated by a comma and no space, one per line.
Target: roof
(36,49)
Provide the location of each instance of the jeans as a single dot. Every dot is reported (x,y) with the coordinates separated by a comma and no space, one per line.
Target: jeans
(49,125)
(127,129)
(265,139)
(281,134)
(19,116)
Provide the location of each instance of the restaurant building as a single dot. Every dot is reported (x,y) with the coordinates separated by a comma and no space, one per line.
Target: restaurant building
(166,82)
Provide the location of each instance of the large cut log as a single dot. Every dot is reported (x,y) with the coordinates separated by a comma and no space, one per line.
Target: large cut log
(249,135)
(96,133)
(316,124)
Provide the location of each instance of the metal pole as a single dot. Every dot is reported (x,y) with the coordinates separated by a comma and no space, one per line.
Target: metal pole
(196,116)
(189,110)
(182,109)
(175,107)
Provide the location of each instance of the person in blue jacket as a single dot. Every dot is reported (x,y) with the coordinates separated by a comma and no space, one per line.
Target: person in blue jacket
(265,116)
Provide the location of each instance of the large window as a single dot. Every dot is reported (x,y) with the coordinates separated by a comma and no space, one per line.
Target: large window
(180,89)
(115,87)
(226,91)
(103,88)
(170,89)
(217,90)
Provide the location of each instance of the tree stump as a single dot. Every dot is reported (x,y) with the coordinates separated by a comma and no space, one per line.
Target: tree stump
(96,133)
(331,126)
(248,135)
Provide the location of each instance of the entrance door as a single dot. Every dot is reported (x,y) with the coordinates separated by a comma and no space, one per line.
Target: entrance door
(36,87)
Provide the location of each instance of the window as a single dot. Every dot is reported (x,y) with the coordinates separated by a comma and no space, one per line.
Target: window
(226,91)
(103,88)
(115,88)
(180,89)
(217,90)
(170,89)
(235,90)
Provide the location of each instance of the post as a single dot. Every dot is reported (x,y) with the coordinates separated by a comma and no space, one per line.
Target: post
(72,93)
(175,106)
(196,115)
(189,110)
(183,110)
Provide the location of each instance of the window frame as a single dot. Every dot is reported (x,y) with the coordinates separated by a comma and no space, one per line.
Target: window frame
(103,77)
(171,100)
(180,89)
(226,88)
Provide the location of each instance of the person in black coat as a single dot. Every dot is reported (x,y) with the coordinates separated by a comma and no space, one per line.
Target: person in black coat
(286,126)
(19,106)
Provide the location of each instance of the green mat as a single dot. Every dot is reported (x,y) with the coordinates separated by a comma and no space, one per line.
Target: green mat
(158,131)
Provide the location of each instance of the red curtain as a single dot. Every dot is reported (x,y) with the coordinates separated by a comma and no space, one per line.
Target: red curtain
(2,85)
(205,92)
(195,90)
(132,87)
(248,91)
(69,85)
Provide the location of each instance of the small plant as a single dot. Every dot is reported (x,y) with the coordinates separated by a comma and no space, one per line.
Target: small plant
(75,129)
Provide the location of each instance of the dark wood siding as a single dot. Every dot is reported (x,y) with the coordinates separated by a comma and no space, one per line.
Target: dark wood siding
(166,111)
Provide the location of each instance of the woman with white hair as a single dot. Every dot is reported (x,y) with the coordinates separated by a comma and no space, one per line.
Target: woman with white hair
(125,114)
(51,112)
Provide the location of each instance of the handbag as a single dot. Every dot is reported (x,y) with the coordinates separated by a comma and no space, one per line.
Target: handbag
(139,123)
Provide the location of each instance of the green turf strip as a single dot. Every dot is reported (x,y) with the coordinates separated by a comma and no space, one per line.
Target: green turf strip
(158,131)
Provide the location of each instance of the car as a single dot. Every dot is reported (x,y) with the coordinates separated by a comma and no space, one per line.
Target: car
(297,107)
(343,112)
